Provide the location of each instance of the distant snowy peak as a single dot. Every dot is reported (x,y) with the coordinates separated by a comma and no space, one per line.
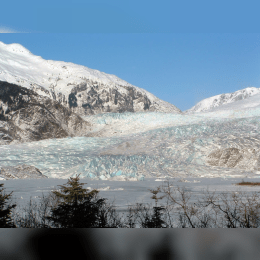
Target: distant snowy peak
(84,90)
(14,48)
(222,99)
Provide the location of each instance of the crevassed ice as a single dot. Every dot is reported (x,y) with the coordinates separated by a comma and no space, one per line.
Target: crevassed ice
(177,149)
(129,123)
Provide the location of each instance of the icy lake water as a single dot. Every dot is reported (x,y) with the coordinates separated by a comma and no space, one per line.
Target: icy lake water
(124,193)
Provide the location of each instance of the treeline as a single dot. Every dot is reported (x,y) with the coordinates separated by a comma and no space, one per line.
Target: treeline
(72,206)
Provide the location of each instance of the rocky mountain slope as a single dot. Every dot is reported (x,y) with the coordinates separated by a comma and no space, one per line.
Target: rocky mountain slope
(223,99)
(27,116)
(21,172)
(234,158)
(85,91)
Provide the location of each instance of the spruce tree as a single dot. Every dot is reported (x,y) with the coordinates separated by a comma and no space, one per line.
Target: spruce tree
(5,209)
(155,220)
(77,208)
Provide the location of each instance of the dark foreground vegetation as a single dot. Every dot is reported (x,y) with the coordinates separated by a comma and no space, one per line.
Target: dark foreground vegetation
(72,206)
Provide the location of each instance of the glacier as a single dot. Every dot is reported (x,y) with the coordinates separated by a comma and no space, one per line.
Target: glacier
(145,145)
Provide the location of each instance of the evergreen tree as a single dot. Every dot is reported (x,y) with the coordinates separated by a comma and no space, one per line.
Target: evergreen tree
(5,210)
(77,208)
(155,220)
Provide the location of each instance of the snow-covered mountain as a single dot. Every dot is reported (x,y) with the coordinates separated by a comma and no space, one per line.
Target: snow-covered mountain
(222,99)
(86,91)
(248,107)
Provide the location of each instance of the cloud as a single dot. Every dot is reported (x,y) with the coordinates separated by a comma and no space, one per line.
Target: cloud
(4,29)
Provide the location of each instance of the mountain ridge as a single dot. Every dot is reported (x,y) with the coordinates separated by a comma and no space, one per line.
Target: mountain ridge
(222,99)
(84,90)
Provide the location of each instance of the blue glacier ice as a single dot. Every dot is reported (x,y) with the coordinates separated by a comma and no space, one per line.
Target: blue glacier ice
(167,145)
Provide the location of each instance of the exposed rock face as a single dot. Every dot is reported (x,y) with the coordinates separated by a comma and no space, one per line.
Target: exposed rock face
(234,158)
(27,116)
(96,98)
(93,97)
(21,172)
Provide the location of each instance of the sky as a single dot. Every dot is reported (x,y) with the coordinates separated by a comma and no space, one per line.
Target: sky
(181,52)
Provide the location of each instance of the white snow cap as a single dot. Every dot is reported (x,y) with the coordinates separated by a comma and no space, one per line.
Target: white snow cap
(222,99)
(19,66)
(14,47)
